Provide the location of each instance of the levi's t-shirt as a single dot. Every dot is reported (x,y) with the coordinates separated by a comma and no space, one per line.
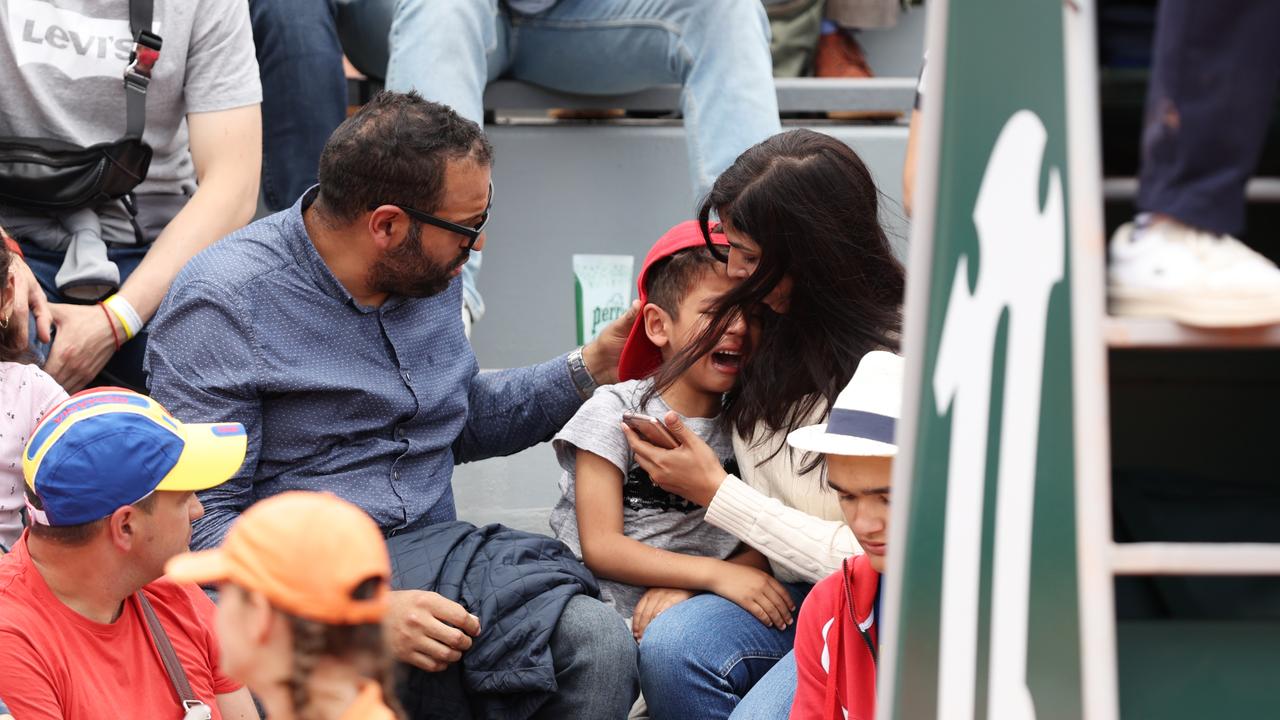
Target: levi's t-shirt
(56,664)
(63,66)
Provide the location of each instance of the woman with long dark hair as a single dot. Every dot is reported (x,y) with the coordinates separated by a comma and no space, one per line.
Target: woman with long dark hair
(815,267)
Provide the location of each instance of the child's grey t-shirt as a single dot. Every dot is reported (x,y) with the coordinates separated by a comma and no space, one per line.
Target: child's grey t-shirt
(650,514)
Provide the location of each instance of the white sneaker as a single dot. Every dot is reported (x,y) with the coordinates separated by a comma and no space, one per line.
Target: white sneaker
(1167,269)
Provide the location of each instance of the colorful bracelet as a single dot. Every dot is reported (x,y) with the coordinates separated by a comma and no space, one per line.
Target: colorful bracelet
(111,323)
(124,312)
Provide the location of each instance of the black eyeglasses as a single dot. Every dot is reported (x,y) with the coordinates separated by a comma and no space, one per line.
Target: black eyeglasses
(470,233)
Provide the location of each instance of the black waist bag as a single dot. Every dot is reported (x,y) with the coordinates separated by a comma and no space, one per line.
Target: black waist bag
(47,174)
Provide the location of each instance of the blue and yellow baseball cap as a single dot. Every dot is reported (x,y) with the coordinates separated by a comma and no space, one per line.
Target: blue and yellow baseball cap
(105,448)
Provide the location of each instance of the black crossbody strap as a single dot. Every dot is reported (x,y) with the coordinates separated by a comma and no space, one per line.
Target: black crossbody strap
(140,13)
(137,75)
(172,667)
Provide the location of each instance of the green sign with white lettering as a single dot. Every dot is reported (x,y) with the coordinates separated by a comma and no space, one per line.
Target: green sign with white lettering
(987,612)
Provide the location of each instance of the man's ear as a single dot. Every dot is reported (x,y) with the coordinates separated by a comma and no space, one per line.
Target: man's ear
(657,324)
(387,226)
(122,527)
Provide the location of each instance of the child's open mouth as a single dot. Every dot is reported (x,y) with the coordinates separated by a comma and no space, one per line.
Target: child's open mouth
(726,361)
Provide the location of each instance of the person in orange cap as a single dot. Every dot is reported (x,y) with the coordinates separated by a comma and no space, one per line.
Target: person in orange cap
(303,579)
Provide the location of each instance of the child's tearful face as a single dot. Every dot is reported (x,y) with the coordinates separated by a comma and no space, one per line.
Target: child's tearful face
(716,371)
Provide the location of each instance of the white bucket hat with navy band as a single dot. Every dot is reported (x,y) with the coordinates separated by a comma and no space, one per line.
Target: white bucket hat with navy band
(865,417)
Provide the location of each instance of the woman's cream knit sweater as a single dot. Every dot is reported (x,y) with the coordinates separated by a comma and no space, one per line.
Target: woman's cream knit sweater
(791,517)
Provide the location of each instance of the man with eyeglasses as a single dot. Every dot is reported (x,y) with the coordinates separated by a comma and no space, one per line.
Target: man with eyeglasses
(332,331)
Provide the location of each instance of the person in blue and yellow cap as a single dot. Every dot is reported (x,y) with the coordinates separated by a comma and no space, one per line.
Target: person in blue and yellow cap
(111,478)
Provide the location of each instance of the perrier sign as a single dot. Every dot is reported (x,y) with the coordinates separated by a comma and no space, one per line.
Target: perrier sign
(987,613)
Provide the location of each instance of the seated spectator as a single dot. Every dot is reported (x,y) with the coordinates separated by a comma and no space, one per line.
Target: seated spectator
(26,394)
(652,549)
(341,349)
(110,481)
(448,50)
(837,645)
(302,584)
(202,125)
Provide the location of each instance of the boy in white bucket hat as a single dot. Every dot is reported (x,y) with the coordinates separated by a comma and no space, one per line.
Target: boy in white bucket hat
(837,635)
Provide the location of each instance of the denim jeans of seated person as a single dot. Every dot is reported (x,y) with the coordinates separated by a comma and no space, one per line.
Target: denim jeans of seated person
(700,658)
(595,662)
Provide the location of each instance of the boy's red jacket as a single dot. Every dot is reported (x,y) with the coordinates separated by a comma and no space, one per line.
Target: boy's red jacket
(834,662)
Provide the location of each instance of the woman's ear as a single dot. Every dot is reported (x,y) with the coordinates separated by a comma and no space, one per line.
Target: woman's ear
(657,324)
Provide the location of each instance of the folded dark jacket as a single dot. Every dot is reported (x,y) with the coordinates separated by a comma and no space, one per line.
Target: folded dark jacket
(517,583)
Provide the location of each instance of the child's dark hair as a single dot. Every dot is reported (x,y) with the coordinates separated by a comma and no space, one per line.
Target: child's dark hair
(12,349)
(669,280)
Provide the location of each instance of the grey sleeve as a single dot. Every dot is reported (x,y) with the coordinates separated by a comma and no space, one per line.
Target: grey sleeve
(596,428)
(222,67)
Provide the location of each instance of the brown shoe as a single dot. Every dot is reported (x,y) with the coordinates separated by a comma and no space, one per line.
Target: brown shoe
(839,55)
(586,114)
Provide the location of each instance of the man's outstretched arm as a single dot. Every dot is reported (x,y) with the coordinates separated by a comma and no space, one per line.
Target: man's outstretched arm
(511,410)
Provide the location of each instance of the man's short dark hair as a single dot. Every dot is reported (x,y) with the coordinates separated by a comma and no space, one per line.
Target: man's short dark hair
(671,279)
(393,151)
(80,535)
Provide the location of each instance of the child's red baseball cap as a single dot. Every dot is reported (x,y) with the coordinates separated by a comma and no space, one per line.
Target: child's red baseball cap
(640,357)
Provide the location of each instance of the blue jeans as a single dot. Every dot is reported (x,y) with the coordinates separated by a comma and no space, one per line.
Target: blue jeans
(304,93)
(700,658)
(771,697)
(124,369)
(595,662)
(717,49)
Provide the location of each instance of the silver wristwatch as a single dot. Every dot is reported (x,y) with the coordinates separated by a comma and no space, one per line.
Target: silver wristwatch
(582,379)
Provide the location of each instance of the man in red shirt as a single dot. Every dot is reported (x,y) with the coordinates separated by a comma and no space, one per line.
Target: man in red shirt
(837,635)
(110,481)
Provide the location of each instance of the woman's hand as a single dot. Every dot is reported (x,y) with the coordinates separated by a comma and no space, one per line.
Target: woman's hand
(652,603)
(757,592)
(691,471)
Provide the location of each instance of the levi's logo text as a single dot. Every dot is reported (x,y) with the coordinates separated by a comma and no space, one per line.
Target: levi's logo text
(78,45)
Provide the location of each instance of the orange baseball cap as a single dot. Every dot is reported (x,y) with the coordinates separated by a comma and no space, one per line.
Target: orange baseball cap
(307,552)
